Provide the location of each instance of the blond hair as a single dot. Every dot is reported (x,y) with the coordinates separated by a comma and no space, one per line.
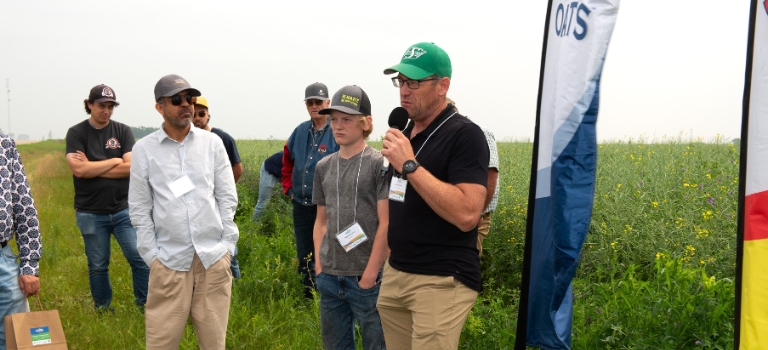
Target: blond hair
(448,99)
(363,123)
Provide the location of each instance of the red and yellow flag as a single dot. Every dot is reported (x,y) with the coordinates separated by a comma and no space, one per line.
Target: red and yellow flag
(752,289)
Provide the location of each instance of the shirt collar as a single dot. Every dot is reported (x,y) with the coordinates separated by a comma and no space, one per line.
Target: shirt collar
(161,135)
(311,127)
(433,125)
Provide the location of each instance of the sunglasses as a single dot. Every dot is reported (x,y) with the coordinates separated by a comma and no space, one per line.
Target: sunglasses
(176,99)
(201,114)
(309,103)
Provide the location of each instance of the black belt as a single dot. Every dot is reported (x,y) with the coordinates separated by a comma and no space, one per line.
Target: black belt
(3,244)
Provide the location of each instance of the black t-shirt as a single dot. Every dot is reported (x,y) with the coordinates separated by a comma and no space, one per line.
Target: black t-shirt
(100,195)
(229,145)
(274,164)
(421,241)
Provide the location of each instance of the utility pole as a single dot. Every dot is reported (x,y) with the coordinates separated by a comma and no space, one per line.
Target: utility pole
(8,86)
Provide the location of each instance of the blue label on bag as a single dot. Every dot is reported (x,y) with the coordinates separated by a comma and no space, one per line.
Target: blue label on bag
(40,335)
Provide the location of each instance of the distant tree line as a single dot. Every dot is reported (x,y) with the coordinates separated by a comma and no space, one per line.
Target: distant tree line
(141,131)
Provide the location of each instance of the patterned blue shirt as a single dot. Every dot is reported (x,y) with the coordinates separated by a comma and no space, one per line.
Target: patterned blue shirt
(17,208)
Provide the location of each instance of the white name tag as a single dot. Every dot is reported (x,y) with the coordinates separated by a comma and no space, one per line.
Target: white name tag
(181,186)
(351,237)
(397,189)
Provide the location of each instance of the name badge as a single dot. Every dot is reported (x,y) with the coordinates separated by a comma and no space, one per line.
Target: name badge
(181,186)
(351,237)
(397,189)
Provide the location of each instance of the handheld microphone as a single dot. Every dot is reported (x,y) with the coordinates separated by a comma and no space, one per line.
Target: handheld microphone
(398,119)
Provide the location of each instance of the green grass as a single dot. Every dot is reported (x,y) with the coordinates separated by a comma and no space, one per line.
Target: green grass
(656,271)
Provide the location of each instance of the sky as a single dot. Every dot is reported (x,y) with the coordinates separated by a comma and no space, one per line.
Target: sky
(674,69)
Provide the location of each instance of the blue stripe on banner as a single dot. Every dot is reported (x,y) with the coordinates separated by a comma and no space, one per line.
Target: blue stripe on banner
(560,224)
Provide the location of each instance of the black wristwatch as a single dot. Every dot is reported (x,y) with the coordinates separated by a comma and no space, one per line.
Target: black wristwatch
(408,167)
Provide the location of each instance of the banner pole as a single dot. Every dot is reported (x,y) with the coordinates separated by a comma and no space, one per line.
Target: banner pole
(743,173)
(522,314)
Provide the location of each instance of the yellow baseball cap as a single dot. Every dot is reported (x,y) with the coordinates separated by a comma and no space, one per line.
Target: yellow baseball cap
(202,101)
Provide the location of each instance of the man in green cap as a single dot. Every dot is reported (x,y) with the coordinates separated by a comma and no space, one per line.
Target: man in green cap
(437,190)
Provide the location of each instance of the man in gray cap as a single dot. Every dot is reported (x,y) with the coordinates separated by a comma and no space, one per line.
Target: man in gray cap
(310,141)
(182,200)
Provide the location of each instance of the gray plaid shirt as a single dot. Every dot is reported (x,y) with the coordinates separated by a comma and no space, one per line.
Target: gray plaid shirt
(493,164)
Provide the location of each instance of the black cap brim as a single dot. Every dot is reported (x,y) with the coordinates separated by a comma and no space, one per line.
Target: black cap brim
(193,92)
(106,99)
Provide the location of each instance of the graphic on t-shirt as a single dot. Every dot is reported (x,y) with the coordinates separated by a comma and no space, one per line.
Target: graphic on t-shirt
(113,143)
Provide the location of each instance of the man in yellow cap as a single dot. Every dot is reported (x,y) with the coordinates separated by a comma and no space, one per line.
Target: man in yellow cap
(201,119)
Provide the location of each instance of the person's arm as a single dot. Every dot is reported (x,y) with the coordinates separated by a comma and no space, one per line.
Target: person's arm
(225,192)
(287,180)
(493,175)
(29,284)
(380,249)
(237,170)
(28,241)
(234,155)
(460,204)
(140,206)
(321,226)
(122,170)
(85,169)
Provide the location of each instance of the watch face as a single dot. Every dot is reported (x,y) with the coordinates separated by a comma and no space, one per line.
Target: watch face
(409,166)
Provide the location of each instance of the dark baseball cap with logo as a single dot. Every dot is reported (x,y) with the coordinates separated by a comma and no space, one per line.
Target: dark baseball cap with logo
(423,60)
(102,93)
(172,84)
(316,91)
(350,99)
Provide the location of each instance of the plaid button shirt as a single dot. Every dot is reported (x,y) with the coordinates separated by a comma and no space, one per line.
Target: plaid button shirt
(494,164)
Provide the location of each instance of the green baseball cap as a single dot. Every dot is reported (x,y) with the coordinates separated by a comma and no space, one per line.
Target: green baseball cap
(422,60)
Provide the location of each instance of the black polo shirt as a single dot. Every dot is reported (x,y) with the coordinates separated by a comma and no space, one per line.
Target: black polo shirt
(421,241)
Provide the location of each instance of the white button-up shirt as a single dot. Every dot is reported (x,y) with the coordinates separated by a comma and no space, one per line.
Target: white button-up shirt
(172,228)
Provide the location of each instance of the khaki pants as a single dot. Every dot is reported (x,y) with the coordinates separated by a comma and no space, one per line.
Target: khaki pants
(174,296)
(482,231)
(422,312)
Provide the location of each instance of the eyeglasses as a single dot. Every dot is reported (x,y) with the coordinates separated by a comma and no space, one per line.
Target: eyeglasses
(309,103)
(412,84)
(201,114)
(176,99)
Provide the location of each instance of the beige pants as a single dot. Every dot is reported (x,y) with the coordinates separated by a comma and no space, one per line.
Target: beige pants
(174,296)
(422,312)
(482,231)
